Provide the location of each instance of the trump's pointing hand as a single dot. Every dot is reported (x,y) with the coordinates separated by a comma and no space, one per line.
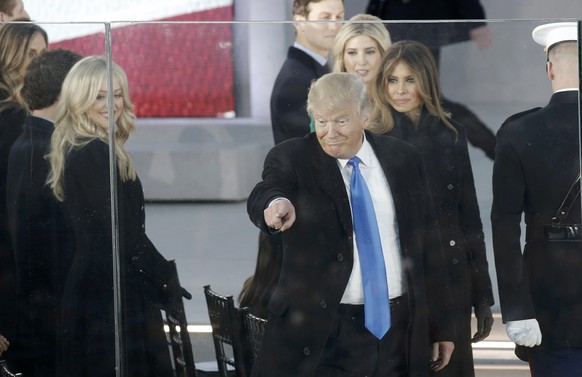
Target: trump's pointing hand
(280,214)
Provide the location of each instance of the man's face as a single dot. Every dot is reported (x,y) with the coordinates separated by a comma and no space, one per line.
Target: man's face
(320,36)
(18,13)
(340,132)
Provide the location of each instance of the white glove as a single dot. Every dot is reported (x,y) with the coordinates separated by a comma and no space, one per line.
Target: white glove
(525,332)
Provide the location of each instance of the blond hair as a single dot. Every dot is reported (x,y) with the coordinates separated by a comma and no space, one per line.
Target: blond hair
(74,128)
(338,90)
(360,24)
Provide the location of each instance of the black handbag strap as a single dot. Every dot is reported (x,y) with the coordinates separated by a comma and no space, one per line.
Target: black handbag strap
(568,202)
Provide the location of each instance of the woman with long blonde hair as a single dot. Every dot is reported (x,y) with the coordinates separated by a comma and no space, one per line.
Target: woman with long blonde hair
(80,176)
(359,46)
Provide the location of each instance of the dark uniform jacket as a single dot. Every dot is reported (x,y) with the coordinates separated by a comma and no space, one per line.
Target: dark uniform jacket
(318,252)
(452,189)
(536,162)
(289,96)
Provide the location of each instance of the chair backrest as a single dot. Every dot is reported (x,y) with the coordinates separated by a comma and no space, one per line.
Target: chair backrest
(182,354)
(5,372)
(225,322)
(253,328)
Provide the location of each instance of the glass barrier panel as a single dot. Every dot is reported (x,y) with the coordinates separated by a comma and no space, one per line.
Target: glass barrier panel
(197,172)
(190,100)
(57,197)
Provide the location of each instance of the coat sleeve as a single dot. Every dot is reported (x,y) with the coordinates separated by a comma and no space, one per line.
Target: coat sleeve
(470,10)
(278,180)
(506,214)
(472,228)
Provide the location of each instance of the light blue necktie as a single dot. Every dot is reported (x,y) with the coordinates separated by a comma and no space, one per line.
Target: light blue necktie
(376,299)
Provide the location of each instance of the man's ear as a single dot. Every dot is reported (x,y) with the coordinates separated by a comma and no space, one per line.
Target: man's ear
(550,70)
(297,21)
(2,17)
(366,120)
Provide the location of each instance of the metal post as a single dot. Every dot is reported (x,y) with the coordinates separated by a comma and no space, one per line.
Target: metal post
(117,318)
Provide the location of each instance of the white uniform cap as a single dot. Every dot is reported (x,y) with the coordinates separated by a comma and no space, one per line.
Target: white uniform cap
(550,34)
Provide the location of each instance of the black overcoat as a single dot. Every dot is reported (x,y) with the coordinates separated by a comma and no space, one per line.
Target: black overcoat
(11,120)
(536,162)
(43,248)
(289,96)
(452,189)
(318,252)
(87,327)
(434,35)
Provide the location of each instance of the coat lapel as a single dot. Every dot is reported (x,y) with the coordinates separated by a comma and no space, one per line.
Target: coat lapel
(329,179)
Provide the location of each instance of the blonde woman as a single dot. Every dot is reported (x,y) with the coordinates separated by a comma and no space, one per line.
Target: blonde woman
(359,47)
(79,176)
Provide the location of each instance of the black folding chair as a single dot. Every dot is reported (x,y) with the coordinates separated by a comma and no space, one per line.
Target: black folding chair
(225,322)
(253,329)
(5,372)
(182,355)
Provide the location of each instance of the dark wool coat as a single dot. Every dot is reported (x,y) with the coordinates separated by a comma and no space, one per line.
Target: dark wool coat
(289,96)
(43,249)
(87,327)
(434,35)
(536,162)
(11,121)
(452,189)
(318,253)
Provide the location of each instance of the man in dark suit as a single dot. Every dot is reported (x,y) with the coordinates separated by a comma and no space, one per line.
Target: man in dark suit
(437,35)
(41,236)
(306,61)
(318,324)
(537,161)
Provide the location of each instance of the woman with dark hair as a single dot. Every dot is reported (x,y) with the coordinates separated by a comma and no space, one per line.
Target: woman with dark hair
(19,44)
(408,105)
(257,289)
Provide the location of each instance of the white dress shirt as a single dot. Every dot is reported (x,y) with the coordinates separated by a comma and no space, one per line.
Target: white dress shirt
(318,58)
(387,226)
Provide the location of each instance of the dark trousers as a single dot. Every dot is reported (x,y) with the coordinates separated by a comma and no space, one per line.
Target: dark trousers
(562,362)
(352,351)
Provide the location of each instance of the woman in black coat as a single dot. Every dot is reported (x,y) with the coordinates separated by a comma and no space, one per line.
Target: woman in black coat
(19,43)
(79,176)
(408,106)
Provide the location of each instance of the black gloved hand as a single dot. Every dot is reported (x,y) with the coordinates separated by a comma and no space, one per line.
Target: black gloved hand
(171,294)
(484,322)
(187,295)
